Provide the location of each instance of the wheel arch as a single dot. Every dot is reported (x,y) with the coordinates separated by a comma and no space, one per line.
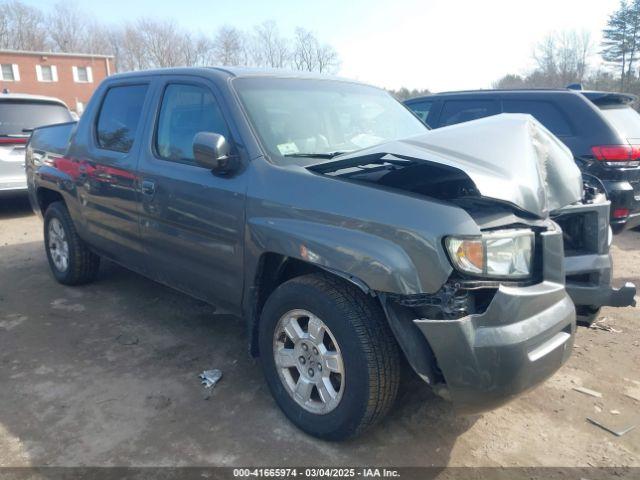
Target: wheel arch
(46,196)
(273,269)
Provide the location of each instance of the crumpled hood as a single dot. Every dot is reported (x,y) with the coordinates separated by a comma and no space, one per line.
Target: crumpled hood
(509,157)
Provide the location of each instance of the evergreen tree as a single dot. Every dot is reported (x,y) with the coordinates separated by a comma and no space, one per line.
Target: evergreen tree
(618,39)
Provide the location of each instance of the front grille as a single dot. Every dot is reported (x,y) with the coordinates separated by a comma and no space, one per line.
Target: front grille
(579,233)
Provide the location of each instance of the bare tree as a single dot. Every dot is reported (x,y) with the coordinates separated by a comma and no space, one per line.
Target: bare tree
(66,26)
(102,39)
(328,59)
(156,43)
(312,56)
(198,50)
(230,47)
(562,58)
(162,41)
(268,48)
(21,27)
(572,54)
(509,81)
(304,50)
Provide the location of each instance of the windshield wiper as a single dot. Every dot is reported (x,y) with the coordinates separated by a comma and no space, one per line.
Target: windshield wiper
(315,155)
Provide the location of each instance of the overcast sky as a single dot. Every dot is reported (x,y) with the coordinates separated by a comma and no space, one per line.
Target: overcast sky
(440,45)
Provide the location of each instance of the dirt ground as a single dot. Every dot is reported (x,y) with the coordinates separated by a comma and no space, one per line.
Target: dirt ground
(107,374)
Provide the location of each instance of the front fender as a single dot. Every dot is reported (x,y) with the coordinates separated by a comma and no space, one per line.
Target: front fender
(382,265)
(390,240)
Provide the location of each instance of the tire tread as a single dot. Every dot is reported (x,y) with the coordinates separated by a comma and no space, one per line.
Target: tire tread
(83,264)
(378,343)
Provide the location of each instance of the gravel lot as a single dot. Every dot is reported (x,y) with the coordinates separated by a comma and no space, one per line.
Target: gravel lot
(106,374)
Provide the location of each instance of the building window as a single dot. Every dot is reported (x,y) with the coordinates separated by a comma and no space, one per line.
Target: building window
(9,72)
(46,73)
(82,75)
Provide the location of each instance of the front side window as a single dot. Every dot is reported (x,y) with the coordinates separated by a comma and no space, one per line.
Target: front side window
(545,112)
(186,110)
(297,118)
(458,111)
(119,117)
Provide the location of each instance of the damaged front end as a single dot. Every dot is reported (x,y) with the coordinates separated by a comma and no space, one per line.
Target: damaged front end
(488,334)
(588,265)
(505,169)
(481,343)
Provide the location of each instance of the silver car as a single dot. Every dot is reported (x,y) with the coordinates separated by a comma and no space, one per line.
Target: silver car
(19,115)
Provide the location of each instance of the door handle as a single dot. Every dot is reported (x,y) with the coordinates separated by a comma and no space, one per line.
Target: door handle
(148,187)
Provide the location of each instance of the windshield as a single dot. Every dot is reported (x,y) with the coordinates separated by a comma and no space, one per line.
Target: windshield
(15,116)
(297,118)
(624,119)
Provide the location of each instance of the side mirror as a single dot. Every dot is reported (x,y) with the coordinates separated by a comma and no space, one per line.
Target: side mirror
(212,151)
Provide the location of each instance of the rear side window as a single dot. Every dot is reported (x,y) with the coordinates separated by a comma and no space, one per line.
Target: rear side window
(185,111)
(16,115)
(458,111)
(421,109)
(119,117)
(545,112)
(625,120)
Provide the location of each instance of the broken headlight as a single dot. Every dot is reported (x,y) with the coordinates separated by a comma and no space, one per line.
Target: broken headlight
(500,253)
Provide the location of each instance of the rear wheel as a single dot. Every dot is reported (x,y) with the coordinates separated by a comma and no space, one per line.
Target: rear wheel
(330,360)
(70,260)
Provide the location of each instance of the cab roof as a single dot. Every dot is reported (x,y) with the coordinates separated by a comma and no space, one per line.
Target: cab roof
(234,72)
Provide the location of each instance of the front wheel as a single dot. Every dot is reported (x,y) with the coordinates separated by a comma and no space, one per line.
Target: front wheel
(329,357)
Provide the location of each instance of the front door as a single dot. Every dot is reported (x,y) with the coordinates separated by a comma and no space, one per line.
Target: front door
(192,221)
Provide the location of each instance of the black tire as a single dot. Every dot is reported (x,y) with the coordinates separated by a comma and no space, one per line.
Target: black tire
(83,264)
(587,314)
(369,351)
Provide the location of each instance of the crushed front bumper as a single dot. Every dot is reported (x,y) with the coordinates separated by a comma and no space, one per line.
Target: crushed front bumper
(522,338)
(587,263)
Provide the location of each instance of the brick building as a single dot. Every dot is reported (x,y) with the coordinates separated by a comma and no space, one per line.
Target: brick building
(71,77)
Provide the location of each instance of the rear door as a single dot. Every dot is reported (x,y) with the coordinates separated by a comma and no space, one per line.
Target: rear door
(17,119)
(192,221)
(103,160)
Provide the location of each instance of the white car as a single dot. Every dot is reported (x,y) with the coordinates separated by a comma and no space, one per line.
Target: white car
(19,115)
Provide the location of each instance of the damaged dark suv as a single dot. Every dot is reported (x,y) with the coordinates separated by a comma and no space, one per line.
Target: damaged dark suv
(327,215)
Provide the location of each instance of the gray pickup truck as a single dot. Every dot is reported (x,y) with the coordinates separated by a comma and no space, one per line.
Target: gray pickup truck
(341,229)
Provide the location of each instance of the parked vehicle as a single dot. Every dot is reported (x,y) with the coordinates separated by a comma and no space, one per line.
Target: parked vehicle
(600,128)
(327,215)
(19,115)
